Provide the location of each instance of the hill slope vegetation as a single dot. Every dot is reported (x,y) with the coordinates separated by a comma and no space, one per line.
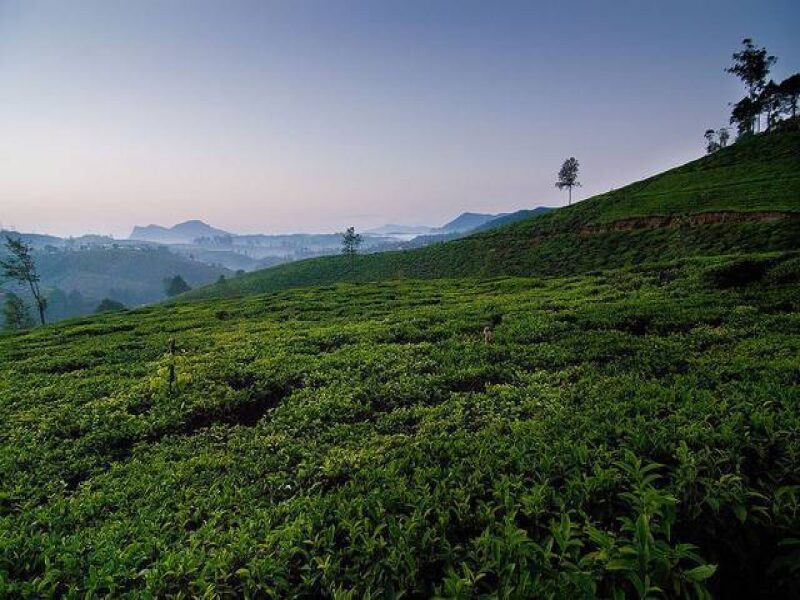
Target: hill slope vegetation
(630,429)
(688,211)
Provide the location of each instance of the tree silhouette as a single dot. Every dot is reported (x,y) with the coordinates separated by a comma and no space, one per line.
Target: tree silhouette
(789,92)
(19,266)
(176,285)
(108,305)
(350,243)
(752,66)
(568,176)
(711,144)
(743,114)
(771,102)
(723,135)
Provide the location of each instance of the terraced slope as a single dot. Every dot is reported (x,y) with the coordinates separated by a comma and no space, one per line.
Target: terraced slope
(625,429)
(745,198)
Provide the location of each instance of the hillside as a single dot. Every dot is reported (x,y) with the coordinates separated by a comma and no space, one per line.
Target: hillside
(467,222)
(509,218)
(75,281)
(687,211)
(355,440)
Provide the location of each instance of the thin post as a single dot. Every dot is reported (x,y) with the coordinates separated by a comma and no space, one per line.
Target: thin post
(171,350)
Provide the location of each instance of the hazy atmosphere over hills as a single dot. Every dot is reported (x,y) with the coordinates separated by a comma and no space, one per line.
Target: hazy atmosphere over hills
(293,117)
(456,300)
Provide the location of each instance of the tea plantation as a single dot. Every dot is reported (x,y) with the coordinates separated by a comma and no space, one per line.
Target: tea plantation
(631,432)
(740,191)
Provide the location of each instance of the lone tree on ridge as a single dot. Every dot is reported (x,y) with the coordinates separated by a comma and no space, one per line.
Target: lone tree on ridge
(350,243)
(568,176)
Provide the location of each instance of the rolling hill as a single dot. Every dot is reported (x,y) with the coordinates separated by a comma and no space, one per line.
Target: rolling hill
(362,441)
(75,281)
(630,424)
(745,197)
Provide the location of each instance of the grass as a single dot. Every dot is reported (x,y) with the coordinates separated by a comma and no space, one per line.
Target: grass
(758,174)
(628,429)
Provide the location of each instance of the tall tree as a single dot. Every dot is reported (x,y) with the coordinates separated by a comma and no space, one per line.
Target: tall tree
(723,135)
(350,243)
(568,176)
(771,103)
(711,143)
(19,266)
(752,65)
(789,91)
(175,285)
(743,114)
(15,313)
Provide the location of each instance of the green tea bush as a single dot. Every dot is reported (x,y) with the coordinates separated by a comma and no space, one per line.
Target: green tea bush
(785,272)
(622,436)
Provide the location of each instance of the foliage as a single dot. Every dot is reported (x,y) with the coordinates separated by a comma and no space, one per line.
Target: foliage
(630,432)
(789,92)
(108,305)
(568,176)
(75,281)
(350,243)
(723,135)
(176,285)
(712,145)
(20,266)
(752,65)
(743,115)
(15,313)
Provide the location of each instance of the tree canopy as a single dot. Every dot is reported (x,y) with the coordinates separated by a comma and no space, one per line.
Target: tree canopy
(19,266)
(350,241)
(568,176)
(15,313)
(109,305)
(176,285)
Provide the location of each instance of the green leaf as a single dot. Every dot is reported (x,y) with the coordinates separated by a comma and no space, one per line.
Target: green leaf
(700,573)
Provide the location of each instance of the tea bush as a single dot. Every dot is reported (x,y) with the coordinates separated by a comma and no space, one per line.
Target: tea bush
(625,435)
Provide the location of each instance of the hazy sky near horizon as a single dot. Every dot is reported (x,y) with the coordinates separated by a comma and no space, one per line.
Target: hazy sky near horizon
(315,115)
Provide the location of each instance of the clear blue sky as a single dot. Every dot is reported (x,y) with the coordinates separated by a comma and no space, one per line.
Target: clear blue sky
(311,116)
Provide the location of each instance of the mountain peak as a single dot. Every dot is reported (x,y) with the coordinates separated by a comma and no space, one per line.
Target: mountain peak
(181,233)
(467,221)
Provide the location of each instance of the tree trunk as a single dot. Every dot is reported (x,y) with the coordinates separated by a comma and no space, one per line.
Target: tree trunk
(37,297)
(569,202)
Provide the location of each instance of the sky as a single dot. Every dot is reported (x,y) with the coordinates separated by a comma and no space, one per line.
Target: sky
(307,116)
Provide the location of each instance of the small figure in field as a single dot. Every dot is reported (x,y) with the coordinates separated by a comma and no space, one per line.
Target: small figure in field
(488,334)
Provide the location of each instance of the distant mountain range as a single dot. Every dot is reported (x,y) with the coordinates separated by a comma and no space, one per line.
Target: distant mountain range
(466,222)
(78,272)
(681,214)
(182,233)
(463,223)
(198,232)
